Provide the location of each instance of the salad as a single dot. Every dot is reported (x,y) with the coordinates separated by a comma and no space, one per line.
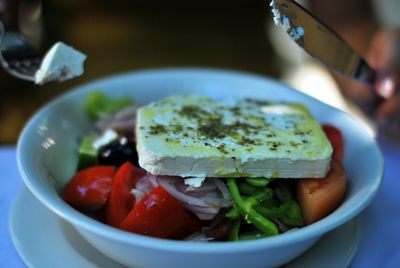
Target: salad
(112,186)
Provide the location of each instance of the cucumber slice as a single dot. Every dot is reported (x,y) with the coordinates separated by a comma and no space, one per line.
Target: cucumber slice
(87,152)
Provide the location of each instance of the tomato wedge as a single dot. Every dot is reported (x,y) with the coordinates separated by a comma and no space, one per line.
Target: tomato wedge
(335,136)
(89,188)
(319,197)
(121,201)
(159,214)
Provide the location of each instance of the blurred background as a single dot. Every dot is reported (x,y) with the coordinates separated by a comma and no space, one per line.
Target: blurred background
(123,35)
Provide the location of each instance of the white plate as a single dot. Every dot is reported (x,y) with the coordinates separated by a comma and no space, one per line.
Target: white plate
(43,239)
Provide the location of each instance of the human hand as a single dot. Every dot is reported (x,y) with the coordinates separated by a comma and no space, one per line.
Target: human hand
(384,56)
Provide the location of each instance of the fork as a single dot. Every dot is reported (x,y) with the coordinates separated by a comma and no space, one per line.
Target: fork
(17,55)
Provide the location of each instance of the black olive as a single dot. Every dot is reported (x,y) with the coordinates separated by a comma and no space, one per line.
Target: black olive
(118,152)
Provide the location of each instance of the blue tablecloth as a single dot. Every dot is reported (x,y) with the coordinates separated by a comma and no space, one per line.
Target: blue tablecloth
(380,222)
(11,185)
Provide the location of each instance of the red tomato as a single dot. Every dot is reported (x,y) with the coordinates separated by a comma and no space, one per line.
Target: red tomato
(319,197)
(89,188)
(335,136)
(159,214)
(121,201)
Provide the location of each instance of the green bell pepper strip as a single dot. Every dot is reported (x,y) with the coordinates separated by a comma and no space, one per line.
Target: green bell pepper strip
(289,212)
(250,201)
(294,216)
(261,194)
(277,211)
(274,212)
(87,155)
(258,182)
(233,213)
(234,231)
(247,188)
(247,211)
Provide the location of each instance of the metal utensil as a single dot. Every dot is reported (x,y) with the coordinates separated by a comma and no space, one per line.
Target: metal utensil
(20,19)
(322,43)
(17,56)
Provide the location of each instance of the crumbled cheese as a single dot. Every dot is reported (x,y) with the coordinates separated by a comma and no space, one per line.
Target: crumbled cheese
(195,182)
(60,63)
(283,21)
(108,136)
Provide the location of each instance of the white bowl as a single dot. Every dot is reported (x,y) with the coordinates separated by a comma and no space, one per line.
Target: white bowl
(47,157)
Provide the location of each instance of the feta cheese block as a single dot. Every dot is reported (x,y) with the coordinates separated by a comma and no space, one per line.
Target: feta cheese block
(194,136)
(60,63)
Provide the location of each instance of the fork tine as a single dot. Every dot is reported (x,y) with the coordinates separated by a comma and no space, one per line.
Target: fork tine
(12,61)
(26,66)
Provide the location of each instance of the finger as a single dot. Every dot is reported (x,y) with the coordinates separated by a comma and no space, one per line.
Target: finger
(386,86)
(384,57)
(388,112)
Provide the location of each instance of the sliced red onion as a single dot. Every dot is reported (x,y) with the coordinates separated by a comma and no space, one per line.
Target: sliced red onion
(186,199)
(128,111)
(138,194)
(124,120)
(143,187)
(153,180)
(123,125)
(204,201)
(205,187)
(209,193)
(214,199)
(224,190)
(204,210)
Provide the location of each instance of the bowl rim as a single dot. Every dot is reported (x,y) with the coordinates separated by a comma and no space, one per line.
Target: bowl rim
(82,221)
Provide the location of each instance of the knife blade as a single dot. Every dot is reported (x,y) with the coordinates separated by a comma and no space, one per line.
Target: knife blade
(321,42)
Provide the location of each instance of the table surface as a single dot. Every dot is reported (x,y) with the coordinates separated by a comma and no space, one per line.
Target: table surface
(379,222)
